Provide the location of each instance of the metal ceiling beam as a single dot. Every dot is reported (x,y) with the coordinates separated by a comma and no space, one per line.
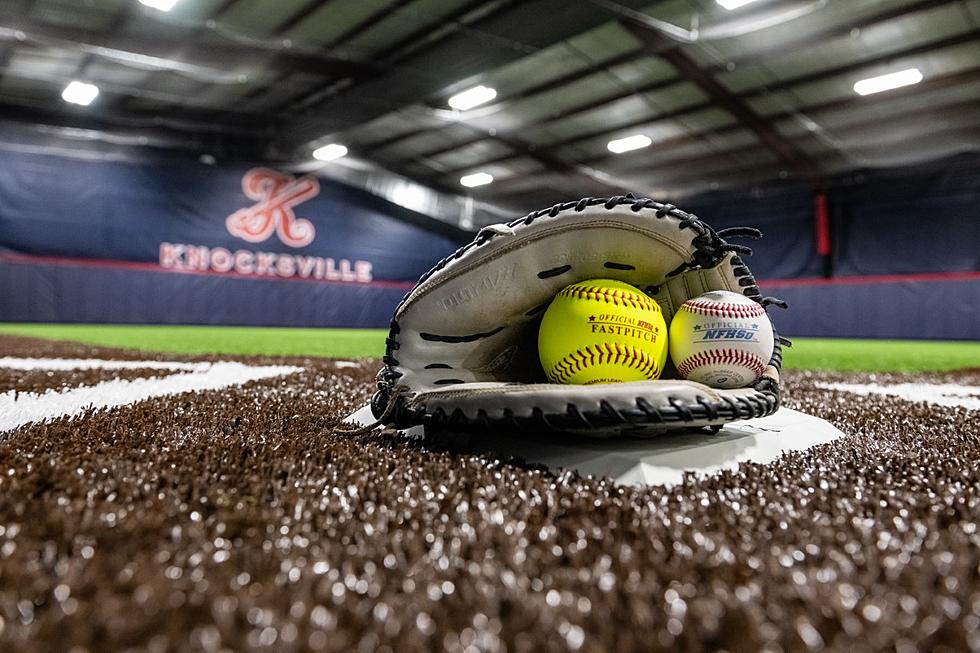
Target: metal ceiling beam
(588,177)
(763,172)
(170,134)
(188,121)
(554,164)
(292,22)
(520,147)
(592,68)
(258,91)
(195,34)
(819,76)
(751,58)
(770,172)
(426,71)
(814,110)
(839,104)
(303,100)
(115,25)
(367,23)
(750,94)
(591,105)
(966,106)
(787,152)
(832,32)
(851,128)
(455,21)
(301,15)
(807,40)
(24,8)
(391,54)
(694,108)
(403,171)
(226,55)
(543,87)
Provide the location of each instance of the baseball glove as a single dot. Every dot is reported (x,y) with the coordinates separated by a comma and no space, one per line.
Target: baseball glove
(462,356)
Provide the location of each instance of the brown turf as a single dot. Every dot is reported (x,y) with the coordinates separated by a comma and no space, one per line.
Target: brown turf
(240,520)
(42,380)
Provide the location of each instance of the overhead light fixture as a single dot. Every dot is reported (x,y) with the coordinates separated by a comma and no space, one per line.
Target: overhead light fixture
(473,97)
(411,196)
(476,179)
(80,93)
(888,82)
(734,4)
(634,142)
(160,5)
(329,152)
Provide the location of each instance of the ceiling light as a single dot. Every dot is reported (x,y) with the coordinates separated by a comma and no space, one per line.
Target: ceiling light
(80,93)
(411,196)
(476,179)
(634,142)
(888,82)
(329,152)
(473,97)
(733,4)
(160,5)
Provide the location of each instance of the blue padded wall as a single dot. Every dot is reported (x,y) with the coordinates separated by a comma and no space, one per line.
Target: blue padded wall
(72,293)
(176,241)
(941,309)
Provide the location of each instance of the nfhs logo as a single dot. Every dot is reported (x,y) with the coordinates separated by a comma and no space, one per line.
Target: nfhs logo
(275,195)
(722,331)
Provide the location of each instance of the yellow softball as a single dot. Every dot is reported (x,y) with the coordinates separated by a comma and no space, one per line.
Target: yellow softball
(602,331)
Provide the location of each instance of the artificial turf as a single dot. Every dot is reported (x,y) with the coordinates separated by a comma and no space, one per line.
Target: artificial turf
(830,354)
(244,519)
(193,340)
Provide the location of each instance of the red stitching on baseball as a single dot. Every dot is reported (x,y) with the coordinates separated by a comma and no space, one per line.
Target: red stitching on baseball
(603,352)
(610,296)
(722,356)
(722,309)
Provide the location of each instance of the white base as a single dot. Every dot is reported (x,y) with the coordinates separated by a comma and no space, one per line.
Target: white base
(660,460)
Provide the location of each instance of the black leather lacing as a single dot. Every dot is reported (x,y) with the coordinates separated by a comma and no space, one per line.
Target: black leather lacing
(604,415)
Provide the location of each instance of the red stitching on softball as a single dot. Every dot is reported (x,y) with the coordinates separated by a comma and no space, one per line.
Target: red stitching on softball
(721,309)
(603,352)
(722,356)
(610,296)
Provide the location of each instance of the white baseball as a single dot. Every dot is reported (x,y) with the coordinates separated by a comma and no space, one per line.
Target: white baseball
(721,339)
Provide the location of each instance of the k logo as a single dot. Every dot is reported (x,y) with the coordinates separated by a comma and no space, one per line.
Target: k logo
(275,195)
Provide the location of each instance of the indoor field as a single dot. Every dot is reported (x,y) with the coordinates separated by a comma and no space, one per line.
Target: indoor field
(489,325)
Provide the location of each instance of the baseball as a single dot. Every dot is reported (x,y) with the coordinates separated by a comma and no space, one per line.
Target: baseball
(602,331)
(721,339)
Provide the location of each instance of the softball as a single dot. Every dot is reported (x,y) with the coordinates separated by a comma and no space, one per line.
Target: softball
(602,331)
(721,339)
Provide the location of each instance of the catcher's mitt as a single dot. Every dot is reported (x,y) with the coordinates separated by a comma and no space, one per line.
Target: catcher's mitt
(462,354)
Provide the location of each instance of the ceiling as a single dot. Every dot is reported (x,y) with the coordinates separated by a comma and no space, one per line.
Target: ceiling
(728,98)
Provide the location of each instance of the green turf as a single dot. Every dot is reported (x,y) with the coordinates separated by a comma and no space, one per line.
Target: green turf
(851,355)
(807,353)
(332,343)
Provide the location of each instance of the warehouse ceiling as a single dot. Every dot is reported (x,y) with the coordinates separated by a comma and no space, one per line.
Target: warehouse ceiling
(725,97)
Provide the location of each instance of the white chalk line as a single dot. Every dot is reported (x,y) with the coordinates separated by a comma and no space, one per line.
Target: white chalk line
(941,394)
(17,409)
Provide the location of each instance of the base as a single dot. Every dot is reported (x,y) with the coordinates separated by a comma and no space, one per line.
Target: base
(660,460)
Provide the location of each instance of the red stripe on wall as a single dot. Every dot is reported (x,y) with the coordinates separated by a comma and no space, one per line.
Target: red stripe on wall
(27,259)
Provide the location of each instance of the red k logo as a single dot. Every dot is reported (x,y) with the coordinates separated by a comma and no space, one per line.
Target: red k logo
(275,195)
